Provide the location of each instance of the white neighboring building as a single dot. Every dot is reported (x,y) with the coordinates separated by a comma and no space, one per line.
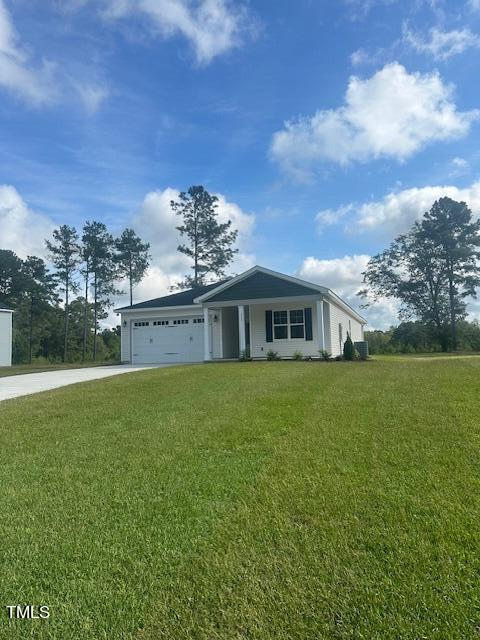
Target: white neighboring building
(5,337)
(259,310)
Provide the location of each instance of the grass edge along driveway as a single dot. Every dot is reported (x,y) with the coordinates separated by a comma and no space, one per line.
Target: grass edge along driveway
(256,500)
(20,369)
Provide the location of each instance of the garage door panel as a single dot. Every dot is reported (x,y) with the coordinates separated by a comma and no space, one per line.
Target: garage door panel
(182,342)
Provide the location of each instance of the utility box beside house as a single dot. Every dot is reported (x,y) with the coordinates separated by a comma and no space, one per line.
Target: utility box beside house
(362,348)
(5,337)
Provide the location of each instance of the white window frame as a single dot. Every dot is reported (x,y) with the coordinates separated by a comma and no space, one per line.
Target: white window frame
(296,324)
(288,324)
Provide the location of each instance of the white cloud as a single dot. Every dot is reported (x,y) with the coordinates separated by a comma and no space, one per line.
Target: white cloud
(344,277)
(459,167)
(359,57)
(91,95)
(474,5)
(376,57)
(442,45)
(392,114)
(461,163)
(328,217)
(156,223)
(397,211)
(17,75)
(22,230)
(212,27)
(362,57)
(361,8)
(42,83)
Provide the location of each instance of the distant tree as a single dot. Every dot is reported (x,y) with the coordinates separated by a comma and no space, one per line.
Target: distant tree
(11,277)
(112,341)
(132,258)
(75,334)
(98,245)
(469,335)
(450,226)
(411,271)
(51,341)
(88,241)
(414,337)
(39,292)
(379,341)
(65,254)
(431,269)
(209,243)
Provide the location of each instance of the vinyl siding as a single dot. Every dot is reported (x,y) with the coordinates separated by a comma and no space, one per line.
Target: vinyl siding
(5,339)
(285,348)
(339,316)
(327,331)
(262,285)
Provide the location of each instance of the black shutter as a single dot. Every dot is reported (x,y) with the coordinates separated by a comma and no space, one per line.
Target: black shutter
(268,326)
(308,324)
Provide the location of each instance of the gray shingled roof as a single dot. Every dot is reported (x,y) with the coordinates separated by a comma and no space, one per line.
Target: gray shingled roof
(181,299)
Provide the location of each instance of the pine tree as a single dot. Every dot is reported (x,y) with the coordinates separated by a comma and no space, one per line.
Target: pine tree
(98,247)
(85,252)
(11,277)
(39,291)
(65,255)
(132,258)
(209,243)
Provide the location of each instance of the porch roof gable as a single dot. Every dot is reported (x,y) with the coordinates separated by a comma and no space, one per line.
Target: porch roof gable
(260,283)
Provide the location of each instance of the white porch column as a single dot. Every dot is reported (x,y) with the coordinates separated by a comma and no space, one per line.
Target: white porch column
(206,335)
(242,343)
(320,327)
(220,330)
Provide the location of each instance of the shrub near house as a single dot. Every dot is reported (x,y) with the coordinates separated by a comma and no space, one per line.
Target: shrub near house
(348,349)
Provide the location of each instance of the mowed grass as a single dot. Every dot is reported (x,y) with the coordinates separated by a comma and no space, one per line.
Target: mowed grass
(247,501)
(18,369)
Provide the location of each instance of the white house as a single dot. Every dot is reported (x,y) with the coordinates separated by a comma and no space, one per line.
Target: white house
(259,310)
(5,337)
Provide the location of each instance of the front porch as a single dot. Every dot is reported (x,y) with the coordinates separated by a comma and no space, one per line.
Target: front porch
(226,332)
(286,326)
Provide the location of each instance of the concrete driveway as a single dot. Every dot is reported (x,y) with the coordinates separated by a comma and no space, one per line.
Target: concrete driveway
(28,383)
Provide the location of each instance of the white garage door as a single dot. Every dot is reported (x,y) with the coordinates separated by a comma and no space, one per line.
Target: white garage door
(167,340)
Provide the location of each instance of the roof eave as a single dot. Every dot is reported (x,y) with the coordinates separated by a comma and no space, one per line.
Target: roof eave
(163,308)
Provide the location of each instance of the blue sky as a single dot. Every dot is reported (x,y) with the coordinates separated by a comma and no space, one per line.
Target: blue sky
(325,127)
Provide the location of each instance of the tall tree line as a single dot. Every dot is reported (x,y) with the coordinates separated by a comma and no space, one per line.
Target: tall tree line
(43,298)
(416,337)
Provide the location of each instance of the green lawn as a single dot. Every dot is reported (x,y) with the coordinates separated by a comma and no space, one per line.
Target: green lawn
(423,356)
(17,369)
(286,501)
